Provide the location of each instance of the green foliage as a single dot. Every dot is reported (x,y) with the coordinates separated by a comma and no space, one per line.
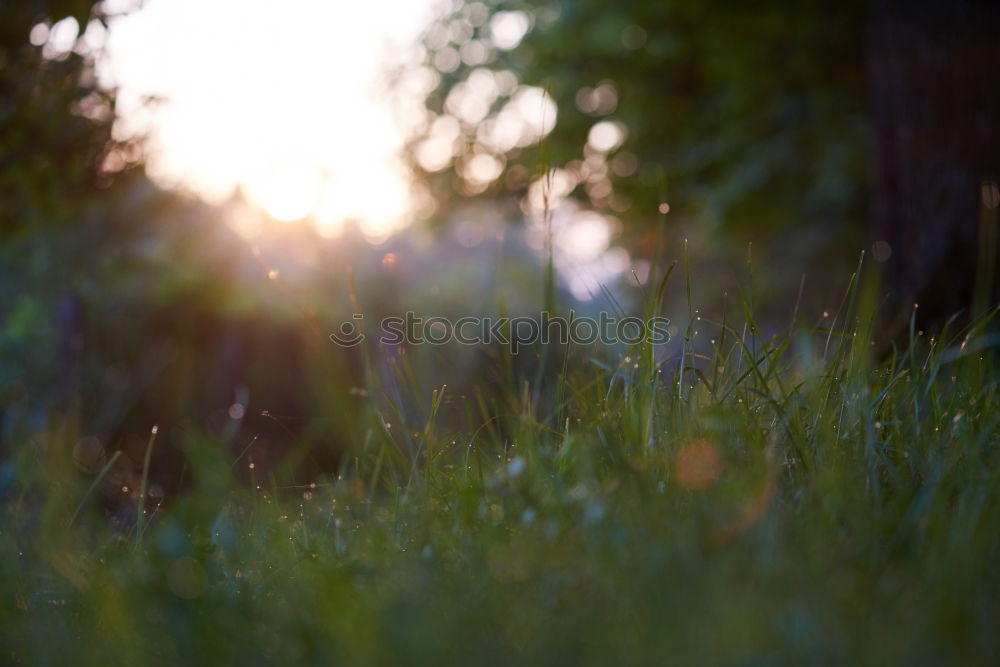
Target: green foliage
(55,133)
(752,117)
(55,120)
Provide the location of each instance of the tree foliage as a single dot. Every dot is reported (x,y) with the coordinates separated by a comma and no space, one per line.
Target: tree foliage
(55,117)
(748,117)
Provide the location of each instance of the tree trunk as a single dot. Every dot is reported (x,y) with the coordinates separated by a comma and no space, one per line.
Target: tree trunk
(935,74)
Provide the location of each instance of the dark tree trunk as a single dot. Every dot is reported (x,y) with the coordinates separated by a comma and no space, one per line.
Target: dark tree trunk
(935,73)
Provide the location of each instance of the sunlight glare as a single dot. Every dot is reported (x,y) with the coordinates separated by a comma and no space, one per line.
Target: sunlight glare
(377,204)
(287,192)
(281,99)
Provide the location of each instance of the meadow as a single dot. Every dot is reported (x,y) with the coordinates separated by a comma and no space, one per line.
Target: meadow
(812,494)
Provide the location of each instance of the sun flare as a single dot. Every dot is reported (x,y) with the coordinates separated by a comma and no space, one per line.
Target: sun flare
(287,192)
(279,99)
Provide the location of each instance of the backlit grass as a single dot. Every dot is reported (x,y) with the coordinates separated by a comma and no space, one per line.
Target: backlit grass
(789,497)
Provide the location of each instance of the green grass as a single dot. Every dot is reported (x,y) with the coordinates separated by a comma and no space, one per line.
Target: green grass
(788,499)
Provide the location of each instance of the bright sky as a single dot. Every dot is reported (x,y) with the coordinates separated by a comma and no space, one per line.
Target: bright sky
(283,98)
(280,97)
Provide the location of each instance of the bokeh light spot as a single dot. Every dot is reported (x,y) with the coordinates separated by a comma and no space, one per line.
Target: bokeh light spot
(697,465)
(606,136)
(507,29)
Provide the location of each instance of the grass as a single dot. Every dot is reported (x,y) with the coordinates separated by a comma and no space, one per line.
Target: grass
(759,499)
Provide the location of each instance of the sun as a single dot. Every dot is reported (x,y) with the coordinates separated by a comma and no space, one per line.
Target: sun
(287,192)
(290,107)
(376,197)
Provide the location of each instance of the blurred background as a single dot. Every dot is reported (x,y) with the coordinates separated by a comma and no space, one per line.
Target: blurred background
(194,194)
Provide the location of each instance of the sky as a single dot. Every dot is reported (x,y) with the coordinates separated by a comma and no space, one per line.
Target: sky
(281,98)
